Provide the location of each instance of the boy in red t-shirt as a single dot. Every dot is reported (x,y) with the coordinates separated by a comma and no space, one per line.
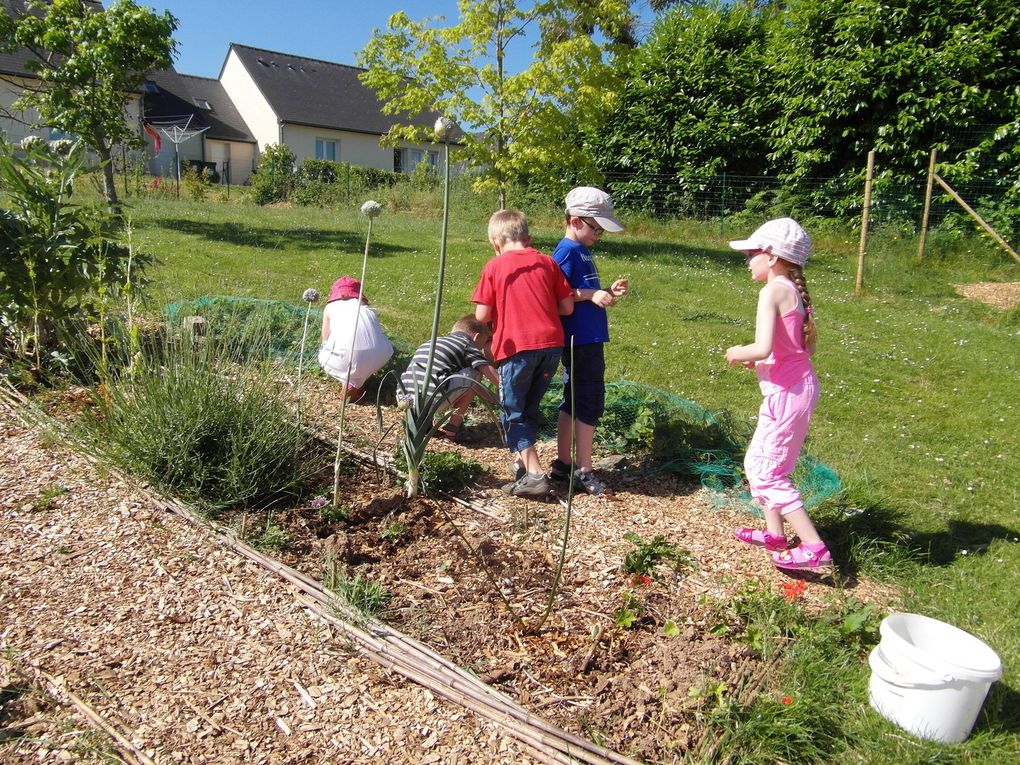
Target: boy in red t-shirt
(522,292)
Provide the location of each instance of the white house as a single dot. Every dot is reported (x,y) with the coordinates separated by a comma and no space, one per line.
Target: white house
(317,108)
(198,114)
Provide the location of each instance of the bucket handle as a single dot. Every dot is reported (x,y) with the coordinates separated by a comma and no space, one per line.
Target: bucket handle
(881,668)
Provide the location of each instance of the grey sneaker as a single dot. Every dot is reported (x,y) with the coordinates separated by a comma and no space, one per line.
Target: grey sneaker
(518,470)
(587,482)
(528,485)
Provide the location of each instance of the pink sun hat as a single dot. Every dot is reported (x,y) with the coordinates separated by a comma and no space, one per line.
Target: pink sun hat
(345,288)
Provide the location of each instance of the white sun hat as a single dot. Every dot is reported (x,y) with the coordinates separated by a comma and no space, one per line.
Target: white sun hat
(782,237)
(589,202)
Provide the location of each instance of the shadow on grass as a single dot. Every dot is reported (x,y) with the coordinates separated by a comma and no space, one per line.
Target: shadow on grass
(876,534)
(269,238)
(1001,711)
(666,253)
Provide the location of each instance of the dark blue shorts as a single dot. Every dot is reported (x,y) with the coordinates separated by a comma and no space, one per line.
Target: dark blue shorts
(587,380)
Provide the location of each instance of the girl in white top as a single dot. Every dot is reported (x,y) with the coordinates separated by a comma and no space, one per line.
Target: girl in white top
(350,324)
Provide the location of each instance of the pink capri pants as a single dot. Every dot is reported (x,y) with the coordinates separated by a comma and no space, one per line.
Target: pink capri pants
(772,454)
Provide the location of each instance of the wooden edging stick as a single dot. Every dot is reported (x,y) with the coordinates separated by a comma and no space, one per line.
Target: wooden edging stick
(865,215)
(923,239)
(131,753)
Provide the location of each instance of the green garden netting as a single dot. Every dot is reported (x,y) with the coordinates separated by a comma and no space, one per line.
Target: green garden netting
(660,430)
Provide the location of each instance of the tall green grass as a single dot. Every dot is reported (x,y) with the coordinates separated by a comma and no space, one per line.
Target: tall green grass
(921,387)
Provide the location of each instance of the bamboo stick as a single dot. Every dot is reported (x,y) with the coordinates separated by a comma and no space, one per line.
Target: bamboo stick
(981,221)
(865,214)
(128,751)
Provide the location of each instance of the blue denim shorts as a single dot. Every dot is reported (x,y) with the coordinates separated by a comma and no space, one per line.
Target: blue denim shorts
(523,380)
(587,379)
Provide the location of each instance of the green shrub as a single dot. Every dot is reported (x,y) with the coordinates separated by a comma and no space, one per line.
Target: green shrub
(320,170)
(424,177)
(309,192)
(198,423)
(445,471)
(274,179)
(195,183)
(59,261)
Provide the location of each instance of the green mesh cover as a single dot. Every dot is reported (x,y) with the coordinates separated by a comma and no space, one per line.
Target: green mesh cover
(685,438)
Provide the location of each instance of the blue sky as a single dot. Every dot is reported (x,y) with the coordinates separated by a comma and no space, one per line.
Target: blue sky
(333,30)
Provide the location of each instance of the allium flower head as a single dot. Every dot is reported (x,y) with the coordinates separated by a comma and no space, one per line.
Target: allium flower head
(371,208)
(31,141)
(310,295)
(443,128)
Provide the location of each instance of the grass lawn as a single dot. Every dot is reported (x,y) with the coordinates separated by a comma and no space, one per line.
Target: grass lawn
(919,411)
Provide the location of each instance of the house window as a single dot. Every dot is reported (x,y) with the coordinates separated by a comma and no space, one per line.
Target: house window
(201,103)
(398,160)
(416,158)
(151,87)
(434,160)
(325,149)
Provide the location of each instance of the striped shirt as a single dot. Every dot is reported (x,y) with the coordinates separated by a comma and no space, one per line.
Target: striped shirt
(454,352)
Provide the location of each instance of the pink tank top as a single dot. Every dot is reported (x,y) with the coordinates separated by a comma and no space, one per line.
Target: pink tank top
(789,363)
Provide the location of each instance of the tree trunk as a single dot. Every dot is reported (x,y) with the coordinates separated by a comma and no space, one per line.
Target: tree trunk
(109,187)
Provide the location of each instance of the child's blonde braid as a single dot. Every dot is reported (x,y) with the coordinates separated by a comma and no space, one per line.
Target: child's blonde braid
(796,274)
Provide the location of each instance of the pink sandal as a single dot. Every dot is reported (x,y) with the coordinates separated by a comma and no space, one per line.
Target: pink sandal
(801,557)
(761,538)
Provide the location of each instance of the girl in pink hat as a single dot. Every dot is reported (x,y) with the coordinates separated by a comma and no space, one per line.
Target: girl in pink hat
(784,340)
(354,346)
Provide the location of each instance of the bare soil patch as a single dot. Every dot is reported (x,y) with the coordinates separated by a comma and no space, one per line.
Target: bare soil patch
(627,686)
(1004,295)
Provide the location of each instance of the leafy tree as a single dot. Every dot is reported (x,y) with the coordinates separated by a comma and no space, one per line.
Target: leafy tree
(524,122)
(89,62)
(804,89)
(689,106)
(888,75)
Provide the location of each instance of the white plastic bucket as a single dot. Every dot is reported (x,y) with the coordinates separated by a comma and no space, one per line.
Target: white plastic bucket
(929,677)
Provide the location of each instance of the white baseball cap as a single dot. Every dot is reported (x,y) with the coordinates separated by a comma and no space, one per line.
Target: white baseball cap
(782,237)
(589,202)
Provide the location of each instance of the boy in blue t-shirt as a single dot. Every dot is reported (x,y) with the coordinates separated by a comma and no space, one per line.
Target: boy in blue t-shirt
(589,214)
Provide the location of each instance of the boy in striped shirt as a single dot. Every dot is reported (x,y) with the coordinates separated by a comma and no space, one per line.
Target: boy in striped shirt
(460,359)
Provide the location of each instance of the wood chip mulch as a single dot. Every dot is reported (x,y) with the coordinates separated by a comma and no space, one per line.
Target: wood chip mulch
(1003,295)
(196,655)
(193,654)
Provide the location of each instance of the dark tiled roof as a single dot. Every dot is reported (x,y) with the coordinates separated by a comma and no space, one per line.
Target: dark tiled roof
(307,91)
(14,63)
(176,100)
(223,120)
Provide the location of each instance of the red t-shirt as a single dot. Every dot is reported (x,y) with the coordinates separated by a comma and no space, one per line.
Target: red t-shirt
(523,288)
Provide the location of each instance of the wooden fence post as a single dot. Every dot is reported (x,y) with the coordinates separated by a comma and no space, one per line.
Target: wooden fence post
(927,205)
(859,285)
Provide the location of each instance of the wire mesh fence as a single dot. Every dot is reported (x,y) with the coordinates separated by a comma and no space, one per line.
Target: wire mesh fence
(739,199)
